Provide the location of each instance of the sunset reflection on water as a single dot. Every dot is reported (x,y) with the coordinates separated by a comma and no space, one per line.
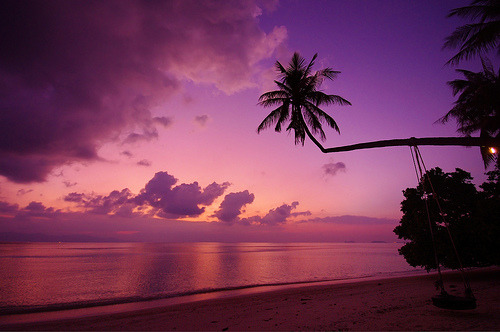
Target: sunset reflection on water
(61,273)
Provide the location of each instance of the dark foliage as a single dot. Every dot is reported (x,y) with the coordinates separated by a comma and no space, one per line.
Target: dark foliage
(298,100)
(476,109)
(472,217)
(479,36)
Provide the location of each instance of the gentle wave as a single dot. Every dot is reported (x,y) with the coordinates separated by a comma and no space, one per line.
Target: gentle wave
(11,310)
(21,309)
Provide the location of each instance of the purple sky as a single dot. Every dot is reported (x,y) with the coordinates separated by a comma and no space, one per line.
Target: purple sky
(136,120)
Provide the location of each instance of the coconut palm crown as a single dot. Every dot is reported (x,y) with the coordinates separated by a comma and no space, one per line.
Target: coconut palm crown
(298,100)
(477,106)
(479,36)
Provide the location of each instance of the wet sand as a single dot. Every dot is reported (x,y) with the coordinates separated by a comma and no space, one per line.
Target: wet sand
(402,303)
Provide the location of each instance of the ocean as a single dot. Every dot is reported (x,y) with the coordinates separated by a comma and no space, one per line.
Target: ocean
(53,276)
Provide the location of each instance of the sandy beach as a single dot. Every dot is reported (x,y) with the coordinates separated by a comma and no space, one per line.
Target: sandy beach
(386,304)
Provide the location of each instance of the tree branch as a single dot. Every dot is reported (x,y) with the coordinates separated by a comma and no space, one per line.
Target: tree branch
(459,141)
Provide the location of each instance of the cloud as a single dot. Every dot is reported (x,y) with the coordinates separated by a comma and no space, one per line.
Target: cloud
(69,184)
(331,169)
(144,162)
(161,197)
(163,120)
(147,135)
(182,200)
(212,192)
(178,201)
(123,216)
(22,192)
(201,120)
(77,74)
(37,209)
(127,153)
(115,203)
(27,166)
(80,227)
(75,198)
(40,224)
(353,220)
(278,215)
(156,188)
(232,205)
(8,208)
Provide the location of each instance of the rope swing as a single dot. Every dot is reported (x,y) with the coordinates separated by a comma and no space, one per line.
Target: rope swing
(443,299)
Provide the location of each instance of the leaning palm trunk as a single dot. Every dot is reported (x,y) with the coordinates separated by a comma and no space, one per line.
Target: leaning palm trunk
(437,141)
(298,99)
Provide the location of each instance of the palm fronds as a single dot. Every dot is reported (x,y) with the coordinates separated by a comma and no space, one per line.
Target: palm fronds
(477,105)
(475,38)
(299,99)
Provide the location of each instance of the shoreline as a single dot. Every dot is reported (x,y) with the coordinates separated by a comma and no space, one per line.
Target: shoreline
(341,304)
(194,296)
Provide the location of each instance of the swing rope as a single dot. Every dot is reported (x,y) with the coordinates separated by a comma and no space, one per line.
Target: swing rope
(419,174)
(418,162)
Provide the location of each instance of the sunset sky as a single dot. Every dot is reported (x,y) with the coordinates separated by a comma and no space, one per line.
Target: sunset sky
(136,120)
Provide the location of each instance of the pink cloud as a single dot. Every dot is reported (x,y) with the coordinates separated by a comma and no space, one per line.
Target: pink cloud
(69,184)
(232,205)
(8,208)
(163,120)
(77,226)
(22,192)
(175,201)
(353,220)
(127,153)
(81,73)
(277,216)
(201,120)
(331,169)
(124,216)
(37,209)
(99,204)
(147,135)
(161,196)
(144,162)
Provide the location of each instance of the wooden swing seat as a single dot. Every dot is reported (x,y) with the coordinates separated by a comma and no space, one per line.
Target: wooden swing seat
(447,301)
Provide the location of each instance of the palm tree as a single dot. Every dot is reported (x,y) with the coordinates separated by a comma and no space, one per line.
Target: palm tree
(477,106)
(298,100)
(479,37)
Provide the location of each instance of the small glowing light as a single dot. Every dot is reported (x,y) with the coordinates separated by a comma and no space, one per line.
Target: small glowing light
(493,150)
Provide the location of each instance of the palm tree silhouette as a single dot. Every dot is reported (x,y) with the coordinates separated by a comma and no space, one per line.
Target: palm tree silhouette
(479,37)
(298,100)
(477,106)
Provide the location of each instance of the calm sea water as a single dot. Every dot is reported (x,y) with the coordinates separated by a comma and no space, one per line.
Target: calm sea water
(49,276)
